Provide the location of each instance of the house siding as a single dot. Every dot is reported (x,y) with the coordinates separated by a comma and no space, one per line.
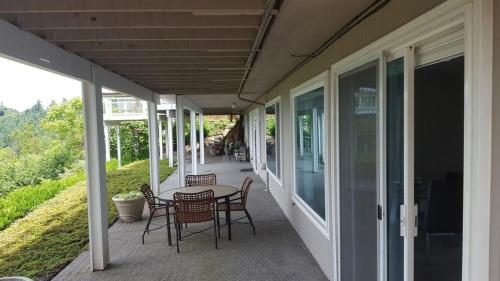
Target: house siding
(376,26)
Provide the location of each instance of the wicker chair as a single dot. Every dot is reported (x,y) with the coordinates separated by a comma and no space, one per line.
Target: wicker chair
(238,205)
(194,208)
(201,180)
(156,209)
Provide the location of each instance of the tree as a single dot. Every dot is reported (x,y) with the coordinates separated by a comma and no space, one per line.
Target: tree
(64,122)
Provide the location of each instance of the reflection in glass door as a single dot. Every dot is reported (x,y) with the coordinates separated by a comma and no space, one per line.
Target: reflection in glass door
(358,113)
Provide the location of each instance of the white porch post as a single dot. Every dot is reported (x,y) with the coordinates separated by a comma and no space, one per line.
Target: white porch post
(170,141)
(202,140)
(106,141)
(118,146)
(314,139)
(96,175)
(180,142)
(154,164)
(160,138)
(194,149)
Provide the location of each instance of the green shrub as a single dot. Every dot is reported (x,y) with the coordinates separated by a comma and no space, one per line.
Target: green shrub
(128,195)
(112,165)
(43,242)
(134,141)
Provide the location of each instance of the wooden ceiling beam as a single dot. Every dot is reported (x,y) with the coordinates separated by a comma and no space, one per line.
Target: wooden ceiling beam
(197,6)
(47,21)
(169,34)
(180,79)
(189,83)
(227,75)
(195,92)
(171,61)
(158,45)
(125,54)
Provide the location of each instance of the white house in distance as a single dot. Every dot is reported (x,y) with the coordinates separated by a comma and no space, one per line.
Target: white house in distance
(386,151)
(119,107)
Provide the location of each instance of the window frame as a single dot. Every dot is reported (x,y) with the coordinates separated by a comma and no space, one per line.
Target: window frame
(321,80)
(276,100)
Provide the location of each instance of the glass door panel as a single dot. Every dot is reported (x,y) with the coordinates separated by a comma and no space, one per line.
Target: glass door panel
(358,191)
(394,167)
(438,165)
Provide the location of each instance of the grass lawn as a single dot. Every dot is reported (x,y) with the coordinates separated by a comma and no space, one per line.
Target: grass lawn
(44,241)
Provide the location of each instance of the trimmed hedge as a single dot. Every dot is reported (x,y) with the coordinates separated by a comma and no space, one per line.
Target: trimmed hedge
(19,202)
(47,239)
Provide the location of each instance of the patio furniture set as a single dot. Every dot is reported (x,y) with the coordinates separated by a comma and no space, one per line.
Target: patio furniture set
(201,201)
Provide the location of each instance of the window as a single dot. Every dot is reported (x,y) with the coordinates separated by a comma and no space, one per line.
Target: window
(273,152)
(309,139)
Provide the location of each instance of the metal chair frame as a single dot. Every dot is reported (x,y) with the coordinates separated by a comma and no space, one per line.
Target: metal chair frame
(240,200)
(201,180)
(154,206)
(194,208)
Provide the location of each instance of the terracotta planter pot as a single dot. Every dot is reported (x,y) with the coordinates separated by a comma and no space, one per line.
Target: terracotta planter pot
(130,210)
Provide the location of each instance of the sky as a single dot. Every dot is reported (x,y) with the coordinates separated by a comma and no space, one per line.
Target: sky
(22,85)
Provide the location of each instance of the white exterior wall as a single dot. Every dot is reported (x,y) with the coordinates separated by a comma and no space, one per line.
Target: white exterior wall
(321,246)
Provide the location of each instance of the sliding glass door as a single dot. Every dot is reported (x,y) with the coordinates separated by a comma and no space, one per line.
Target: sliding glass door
(358,180)
(394,167)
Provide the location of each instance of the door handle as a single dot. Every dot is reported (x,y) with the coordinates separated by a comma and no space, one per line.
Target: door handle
(415,229)
(403,221)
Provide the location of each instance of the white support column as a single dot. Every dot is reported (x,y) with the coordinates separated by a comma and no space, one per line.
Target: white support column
(194,149)
(181,171)
(202,140)
(106,141)
(118,146)
(160,138)
(96,175)
(301,135)
(170,142)
(154,161)
(314,139)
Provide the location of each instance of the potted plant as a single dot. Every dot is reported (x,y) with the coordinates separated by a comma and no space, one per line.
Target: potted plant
(130,205)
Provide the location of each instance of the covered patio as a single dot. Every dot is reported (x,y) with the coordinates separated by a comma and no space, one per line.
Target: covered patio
(295,72)
(276,252)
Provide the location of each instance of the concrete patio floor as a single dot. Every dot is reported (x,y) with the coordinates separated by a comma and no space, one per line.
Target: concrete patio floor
(275,253)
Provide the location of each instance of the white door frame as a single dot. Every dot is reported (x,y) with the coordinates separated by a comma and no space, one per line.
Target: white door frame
(474,20)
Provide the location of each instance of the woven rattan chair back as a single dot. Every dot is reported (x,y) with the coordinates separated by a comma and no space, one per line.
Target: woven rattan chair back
(201,180)
(194,207)
(148,194)
(244,190)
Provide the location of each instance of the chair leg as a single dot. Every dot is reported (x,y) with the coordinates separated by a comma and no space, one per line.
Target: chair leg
(179,226)
(215,232)
(218,223)
(147,228)
(250,220)
(177,236)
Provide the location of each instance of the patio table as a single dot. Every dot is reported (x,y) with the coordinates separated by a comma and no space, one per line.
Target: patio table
(220,192)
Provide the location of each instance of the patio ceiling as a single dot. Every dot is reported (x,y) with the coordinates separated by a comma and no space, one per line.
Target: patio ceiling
(191,47)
